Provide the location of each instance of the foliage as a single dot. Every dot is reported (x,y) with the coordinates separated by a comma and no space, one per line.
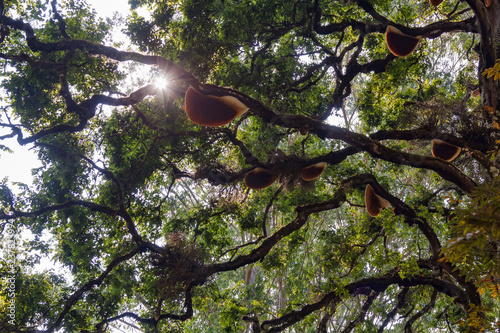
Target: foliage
(146,217)
(493,72)
(475,250)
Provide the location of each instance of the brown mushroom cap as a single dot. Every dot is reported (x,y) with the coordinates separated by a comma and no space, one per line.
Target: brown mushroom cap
(212,111)
(399,44)
(260,178)
(435,3)
(313,171)
(373,202)
(444,150)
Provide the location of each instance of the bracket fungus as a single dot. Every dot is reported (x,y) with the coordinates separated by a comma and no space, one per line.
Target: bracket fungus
(313,171)
(400,44)
(260,178)
(212,111)
(444,150)
(374,203)
(435,3)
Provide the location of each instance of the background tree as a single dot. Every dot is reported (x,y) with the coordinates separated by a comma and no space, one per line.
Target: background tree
(151,214)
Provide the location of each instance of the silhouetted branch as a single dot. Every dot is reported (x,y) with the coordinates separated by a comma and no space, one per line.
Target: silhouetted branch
(400,303)
(60,21)
(428,133)
(361,316)
(378,285)
(268,207)
(71,203)
(330,311)
(420,313)
(432,30)
(96,49)
(249,157)
(24,58)
(303,213)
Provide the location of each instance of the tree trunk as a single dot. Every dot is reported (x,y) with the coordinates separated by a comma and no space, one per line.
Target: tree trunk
(489,50)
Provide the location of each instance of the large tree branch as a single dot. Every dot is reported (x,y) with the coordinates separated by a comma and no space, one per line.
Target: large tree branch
(122,212)
(361,316)
(435,246)
(425,309)
(71,203)
(303,213)
(432,30)
(86,111)
(24,58)
(428,133)
(60,21)
(412,218)
(400,303)
(96,49)
(54,130)
(445,169)
(475,148)
(330,311)
(377,284)
(341,26)
(353,68)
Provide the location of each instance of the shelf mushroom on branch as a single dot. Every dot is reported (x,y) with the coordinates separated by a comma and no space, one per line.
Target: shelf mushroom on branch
(435,3)
(444,150)
(374,203)
(212,111)
(400,44)
(313,171)
(260,178)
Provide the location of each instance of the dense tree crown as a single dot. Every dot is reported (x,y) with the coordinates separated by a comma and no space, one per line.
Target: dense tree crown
(306,166)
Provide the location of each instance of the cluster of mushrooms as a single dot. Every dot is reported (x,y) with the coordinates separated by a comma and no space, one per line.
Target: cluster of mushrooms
(215,111)
(402,45)
(440,149)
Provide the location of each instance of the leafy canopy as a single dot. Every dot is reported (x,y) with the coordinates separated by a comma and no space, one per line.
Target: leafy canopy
(151,221)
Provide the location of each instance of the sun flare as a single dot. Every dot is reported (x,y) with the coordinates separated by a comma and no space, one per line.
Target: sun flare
(161,82)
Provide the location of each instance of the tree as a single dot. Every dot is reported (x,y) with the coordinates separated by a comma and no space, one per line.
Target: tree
(150,213)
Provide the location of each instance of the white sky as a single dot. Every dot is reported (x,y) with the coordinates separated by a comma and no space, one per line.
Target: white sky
(17,166)
(106,8)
